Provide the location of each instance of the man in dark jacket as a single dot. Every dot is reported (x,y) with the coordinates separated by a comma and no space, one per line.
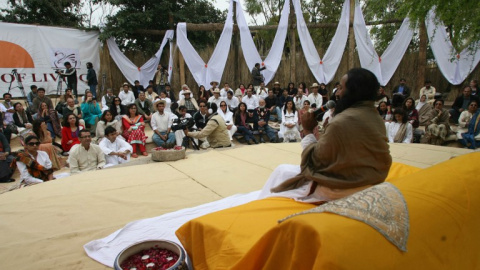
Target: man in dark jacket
(92,79)
(461,103)
(71,74)
(257,77)
(400,93)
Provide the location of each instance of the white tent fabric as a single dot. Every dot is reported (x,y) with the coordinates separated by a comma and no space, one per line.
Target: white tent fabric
(383,67)
(272,61)
(170,63)
(213,70)
(129,69)
(454,66)
(325,69)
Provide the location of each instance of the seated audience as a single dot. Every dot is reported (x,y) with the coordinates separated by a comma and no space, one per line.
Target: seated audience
(47,143)
(215,132)
(429,91)
(107,120)
(291,90)
(23,119)
(184,88)
(201,119)
(41,98)
(241,91)
(50,117)
(261,117)
(34,165)
(301,112)
(243,118)
(400,93)
(134,130)
(63,101)
(170,93)
(162,125)
(86,156)
(382,97)
(144,106)
(231,101)
(91,112)
(412,114)
(116,150)
(284,98)
(71,108)
(150,94)
(461,103)
(277,90)
(31,96)
(213,85)
(315,97)
(216,98)
(168,102)
(70,132)
(126,95)
(250,100)
(262,91)
(203,94)
(117,109)
(289,128)
(137,88)
(6,107)
(189,102)
(271,102)
(400,130)
(465,118)
(224,90)
(471,138)
(5,160)
(107,100)
(324,92)
(438,127)
(302,86)
(423,108)
(180,134)
(299,99)
(385,111)
(227,116)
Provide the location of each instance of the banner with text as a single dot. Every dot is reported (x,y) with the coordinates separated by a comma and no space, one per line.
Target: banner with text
(30,55)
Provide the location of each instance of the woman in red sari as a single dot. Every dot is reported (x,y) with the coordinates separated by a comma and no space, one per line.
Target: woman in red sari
(134,130)
(71,129)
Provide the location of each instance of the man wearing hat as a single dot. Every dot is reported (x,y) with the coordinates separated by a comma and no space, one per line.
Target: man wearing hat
(162,124)
(315,97)
(214,85)
(215,131)
(126,95)
(277,90)
(71,74)
(216,97)
(189,102)
(184,88)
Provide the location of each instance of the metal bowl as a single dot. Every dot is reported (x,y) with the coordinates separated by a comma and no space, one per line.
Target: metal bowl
(135,248)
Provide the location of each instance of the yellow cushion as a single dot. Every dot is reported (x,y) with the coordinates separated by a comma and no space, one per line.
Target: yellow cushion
(443,204)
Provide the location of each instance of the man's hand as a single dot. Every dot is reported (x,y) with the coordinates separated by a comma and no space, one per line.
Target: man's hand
(309,122)
(186,132)
(261,123)
(70,142)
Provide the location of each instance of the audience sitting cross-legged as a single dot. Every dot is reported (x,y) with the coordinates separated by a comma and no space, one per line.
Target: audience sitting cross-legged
(134,130)
(116,150)
(70,132)
(227,115)
(260,123)
(180,134)
(400,130)
(468,130)
(107,120)
(34,165)
(289,128)
(86,156)
(243,118)
(438,128)
(162,125)
(47,143)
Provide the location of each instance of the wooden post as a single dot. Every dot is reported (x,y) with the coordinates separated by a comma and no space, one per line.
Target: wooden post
(422,59)
(293,44)
(236,67)
(351,36)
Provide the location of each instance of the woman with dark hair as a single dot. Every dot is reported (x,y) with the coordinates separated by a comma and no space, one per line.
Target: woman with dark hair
(412,113)
(438,127)
(70,132)
(203,94)
(242,120)
(134,130)
(385,111)
(107,120)
(91,111)
(304,88)
(46,143)
(117,109)
(400,130)
(49,116)
(468,126)
(289,128)
(322,90)
(292,91)
(34,165)
(241,91)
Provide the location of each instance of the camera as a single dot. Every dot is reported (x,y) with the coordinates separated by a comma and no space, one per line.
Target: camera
(182,124)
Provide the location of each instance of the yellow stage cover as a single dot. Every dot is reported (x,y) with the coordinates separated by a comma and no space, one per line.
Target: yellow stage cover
(443,204)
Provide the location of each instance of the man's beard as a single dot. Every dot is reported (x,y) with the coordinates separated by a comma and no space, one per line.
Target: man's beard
(344,103)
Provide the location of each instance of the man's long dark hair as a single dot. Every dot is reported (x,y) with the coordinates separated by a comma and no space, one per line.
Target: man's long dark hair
(361,85)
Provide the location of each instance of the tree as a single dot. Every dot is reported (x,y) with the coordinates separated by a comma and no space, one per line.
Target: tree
(51,12)
(158,15)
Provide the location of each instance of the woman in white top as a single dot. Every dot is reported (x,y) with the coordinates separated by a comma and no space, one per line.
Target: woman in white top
(34,165)
(228,117)
(465,117)
(400,130)
(289,128)
(107,120)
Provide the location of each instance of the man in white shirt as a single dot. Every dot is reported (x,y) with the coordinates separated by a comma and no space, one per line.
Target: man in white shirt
(262,91)
(315,97)
(126,96)
(299,99)
(250,100)
(6,107)
(85,156)
(232,102)
(150,95)
(162,125)
(224,90)
(31,156)
(116,150)
(216,98)
(107,100)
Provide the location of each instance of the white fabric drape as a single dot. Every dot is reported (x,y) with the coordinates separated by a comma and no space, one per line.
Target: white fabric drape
(325,69)
(454,66)
(383,67)
(272,61)
(129,69)
(205,73)
(170,62)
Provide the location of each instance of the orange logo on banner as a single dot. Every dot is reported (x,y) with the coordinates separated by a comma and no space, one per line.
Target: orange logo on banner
(14,56)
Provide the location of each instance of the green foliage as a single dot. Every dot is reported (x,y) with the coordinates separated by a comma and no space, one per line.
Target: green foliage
(44,12)
(158,15)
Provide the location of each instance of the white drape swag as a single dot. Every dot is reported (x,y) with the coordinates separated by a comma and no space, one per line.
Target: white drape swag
(454,66)
(272,61)
(383,67)
(213,71)
(130,70)
(325,69)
